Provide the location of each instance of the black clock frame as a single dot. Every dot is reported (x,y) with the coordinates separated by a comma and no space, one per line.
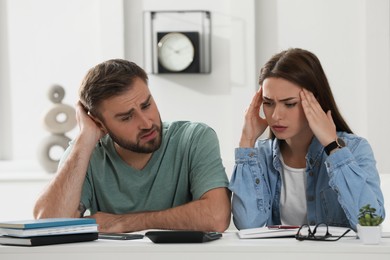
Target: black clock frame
(194,67)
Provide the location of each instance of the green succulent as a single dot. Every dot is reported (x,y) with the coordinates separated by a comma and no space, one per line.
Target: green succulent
(368,217)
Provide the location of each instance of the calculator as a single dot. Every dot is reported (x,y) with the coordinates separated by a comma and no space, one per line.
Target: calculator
(182,236)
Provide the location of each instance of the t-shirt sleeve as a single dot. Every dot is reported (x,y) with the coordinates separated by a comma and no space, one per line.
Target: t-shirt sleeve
(206,169)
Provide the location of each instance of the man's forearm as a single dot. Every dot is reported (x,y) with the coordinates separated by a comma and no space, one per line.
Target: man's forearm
(61,198)
(210,213)
(196,215)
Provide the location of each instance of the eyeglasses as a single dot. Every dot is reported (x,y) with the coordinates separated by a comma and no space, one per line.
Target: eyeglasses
(319,233)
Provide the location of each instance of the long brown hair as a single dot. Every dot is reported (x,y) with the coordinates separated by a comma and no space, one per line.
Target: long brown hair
(304,69)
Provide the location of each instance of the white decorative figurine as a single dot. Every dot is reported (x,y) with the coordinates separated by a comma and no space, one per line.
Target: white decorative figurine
(60,118)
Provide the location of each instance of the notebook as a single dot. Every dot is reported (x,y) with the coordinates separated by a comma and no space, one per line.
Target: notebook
(47,240)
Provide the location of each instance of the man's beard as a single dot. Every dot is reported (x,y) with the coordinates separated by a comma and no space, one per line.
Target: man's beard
(149,147)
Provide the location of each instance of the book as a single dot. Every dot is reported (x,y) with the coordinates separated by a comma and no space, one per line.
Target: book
(19,232)
(48,240)
(286,232)
(46,223)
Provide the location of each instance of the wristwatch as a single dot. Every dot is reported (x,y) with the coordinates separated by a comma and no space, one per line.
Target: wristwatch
(338,143)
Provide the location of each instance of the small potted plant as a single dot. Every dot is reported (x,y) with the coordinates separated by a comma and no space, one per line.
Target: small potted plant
(369,229)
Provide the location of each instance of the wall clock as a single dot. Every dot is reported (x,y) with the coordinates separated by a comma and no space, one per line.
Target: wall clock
(177,42)
(178,52)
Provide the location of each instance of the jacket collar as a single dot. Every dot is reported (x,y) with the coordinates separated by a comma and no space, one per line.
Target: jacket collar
(313,155)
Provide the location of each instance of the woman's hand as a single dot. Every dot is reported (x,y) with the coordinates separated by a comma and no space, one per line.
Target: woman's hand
(321,123)
(254,125)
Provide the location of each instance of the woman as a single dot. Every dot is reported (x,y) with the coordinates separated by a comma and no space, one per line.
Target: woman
(312,169)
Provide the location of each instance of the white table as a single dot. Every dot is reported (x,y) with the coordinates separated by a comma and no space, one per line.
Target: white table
(228,247)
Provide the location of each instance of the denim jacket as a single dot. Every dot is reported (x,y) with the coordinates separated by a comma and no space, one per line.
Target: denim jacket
(338,185)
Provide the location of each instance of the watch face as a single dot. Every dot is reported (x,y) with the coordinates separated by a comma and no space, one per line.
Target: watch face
(175,51)
(340,142)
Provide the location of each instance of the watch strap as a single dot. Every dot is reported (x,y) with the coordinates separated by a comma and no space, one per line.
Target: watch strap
(338,143)
(330,147)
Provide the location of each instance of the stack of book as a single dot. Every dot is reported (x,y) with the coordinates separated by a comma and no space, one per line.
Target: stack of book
(48,231)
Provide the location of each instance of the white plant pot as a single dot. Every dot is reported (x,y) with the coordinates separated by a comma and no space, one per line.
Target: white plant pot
(369,235)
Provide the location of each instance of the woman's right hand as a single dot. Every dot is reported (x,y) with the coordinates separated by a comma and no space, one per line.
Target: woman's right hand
(254,125)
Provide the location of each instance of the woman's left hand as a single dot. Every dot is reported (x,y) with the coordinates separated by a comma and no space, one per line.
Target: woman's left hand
(321,123)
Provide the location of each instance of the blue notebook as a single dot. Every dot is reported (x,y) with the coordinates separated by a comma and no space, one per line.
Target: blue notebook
(46,223)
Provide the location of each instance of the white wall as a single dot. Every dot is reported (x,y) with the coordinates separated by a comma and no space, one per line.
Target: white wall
(57,41)
(5,133)
(219,98)
(377,81)
(351,38)
(54,42)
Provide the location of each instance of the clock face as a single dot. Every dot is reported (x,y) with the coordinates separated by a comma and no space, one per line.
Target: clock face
(175,52)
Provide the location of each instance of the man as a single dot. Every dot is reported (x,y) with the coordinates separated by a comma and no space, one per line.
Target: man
(130,170)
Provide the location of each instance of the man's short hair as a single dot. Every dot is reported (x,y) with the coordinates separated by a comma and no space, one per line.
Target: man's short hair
(108,79)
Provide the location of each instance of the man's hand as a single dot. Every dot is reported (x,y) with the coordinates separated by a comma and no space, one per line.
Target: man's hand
(112,223)
(89,127)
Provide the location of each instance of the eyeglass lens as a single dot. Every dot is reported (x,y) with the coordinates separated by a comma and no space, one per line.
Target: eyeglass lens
(321,231)
(304,231)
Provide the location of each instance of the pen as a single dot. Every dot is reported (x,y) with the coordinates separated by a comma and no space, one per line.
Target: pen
(282,227)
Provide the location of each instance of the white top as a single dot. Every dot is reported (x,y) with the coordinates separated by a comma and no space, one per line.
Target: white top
(293,208)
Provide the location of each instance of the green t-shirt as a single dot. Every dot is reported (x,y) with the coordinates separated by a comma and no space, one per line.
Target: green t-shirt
(187,165)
